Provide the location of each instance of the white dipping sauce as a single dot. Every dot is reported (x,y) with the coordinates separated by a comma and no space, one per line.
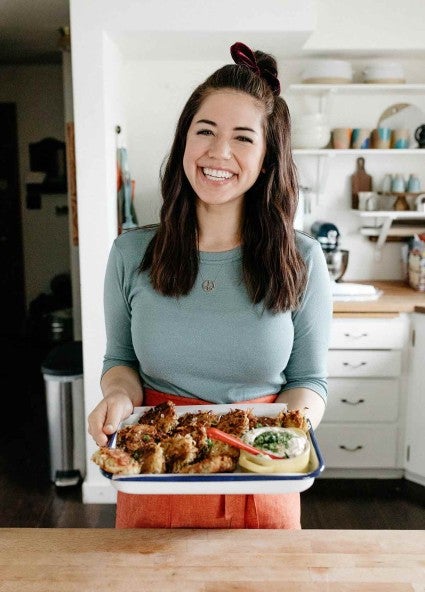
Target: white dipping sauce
(283,442)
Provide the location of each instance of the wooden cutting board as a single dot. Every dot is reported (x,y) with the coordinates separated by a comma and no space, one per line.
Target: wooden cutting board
(208,560)
(360,181)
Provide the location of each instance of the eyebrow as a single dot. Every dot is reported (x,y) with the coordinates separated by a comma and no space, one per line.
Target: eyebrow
(239,128)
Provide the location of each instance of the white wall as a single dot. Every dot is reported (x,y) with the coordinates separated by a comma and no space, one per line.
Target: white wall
(368,25)
(37,92)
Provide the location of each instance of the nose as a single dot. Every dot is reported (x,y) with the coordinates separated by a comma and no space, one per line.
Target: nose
(219,149)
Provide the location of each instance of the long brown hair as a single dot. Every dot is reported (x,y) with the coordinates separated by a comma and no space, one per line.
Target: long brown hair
(273,270)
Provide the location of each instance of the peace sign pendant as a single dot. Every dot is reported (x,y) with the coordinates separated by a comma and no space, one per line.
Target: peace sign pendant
(208,286)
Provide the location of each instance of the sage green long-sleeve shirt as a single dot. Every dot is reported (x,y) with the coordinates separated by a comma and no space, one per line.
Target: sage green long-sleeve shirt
(216,346)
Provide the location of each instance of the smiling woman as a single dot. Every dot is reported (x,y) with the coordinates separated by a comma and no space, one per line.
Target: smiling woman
(222,302)
(225,149)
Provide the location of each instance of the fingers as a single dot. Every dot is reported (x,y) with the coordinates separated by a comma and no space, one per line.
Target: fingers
(106,417)
(96,422)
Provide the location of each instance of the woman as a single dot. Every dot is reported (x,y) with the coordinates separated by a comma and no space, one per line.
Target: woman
(222,302)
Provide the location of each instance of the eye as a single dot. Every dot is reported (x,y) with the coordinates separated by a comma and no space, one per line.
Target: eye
(244,139)
(204,132)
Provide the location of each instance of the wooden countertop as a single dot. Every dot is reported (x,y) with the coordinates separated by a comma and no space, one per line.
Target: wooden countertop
(91,560)
(397,297)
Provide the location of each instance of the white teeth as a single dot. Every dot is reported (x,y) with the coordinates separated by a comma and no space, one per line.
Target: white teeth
(217,174)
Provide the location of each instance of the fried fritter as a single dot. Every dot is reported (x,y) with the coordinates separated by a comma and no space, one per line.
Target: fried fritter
(219,448)
(151,458)
(133,437)
(198,433)
(294,419)
(211,464)
(179,450)
(263,422)
(163,417)
(201,418)
(116,461)
(235,422)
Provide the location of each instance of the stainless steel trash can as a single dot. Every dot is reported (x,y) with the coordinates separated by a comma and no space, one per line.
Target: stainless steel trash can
(63,378)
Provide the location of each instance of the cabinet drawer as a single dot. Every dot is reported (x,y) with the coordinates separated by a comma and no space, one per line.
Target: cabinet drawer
(351,399)
(346,446)
(367,333)
(363,363)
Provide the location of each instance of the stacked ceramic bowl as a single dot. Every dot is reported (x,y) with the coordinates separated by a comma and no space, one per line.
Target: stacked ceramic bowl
(310,131)
(381,72)
(327,72)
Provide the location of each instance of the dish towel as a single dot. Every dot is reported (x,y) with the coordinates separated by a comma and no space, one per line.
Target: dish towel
(206,511)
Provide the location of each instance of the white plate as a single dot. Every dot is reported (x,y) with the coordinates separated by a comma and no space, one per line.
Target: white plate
(220,483)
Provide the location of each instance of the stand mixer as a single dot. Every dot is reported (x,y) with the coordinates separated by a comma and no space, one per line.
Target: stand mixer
(337,260)
(328,236)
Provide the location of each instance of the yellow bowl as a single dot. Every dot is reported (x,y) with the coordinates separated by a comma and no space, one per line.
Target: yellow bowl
(264,464)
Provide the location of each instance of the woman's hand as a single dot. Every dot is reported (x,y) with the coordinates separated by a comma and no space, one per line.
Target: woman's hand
(107,415)
(304,398)
(122,391)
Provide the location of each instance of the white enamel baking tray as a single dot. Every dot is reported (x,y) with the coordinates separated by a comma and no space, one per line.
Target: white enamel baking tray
(220,483)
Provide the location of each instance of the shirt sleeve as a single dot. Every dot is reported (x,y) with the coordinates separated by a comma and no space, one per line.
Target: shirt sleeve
(117,311)
(307,365)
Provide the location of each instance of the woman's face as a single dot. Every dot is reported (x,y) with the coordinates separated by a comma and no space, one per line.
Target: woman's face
(225,147)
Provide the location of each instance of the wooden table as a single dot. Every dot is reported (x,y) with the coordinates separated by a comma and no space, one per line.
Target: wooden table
(91,560)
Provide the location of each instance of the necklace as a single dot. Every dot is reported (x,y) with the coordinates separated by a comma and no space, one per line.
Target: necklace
(208,285)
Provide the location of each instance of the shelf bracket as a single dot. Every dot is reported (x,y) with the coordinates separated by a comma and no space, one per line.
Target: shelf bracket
(384,232)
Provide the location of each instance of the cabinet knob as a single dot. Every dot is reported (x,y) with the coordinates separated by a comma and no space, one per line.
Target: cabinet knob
(354,365)
(352,402)
(352,336)
(348,449)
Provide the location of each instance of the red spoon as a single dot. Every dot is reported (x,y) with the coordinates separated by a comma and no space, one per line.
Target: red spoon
(217,434)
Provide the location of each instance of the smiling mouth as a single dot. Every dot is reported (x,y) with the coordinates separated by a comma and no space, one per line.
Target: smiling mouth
(217,174)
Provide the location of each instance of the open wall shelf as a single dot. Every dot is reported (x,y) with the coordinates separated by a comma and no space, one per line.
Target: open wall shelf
(407,223)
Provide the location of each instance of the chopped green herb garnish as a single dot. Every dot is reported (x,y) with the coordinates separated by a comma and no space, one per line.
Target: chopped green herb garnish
(272,441)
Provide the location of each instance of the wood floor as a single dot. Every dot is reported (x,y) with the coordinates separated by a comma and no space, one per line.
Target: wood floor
(28,499)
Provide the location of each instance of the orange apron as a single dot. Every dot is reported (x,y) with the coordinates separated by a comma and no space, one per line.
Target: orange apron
(206,511)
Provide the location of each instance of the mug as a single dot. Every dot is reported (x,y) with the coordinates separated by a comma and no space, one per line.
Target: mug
(341,138)
(360,138)
(398,185)
(413,184)
(387,183)
(381,137)
(420,202)
(400,138)
(420,136)
(368,200)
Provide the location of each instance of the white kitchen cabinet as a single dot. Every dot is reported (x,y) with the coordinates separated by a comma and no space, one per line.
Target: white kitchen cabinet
(362,430)
(360,446)
(415,416)
(354,401)
(364,363)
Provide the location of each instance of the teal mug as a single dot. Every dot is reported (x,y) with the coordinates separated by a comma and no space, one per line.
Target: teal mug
(400,138)
(360,138)
(381,137)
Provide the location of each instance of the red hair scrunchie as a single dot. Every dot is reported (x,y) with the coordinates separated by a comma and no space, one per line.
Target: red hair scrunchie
(244,56)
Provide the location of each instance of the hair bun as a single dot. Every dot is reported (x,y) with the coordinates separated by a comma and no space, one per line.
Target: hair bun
(268,70)
(265,61)
(262,64)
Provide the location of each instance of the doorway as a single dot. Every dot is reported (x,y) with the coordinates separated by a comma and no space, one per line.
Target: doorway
(12,287)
